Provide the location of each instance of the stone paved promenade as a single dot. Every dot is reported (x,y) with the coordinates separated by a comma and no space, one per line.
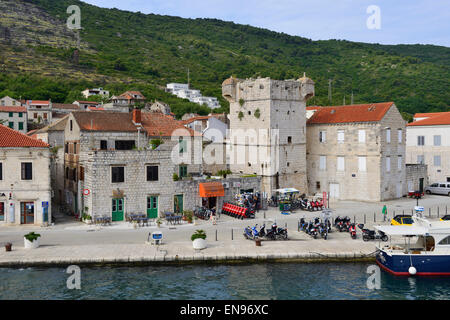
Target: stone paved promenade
(72,242)
(299,248)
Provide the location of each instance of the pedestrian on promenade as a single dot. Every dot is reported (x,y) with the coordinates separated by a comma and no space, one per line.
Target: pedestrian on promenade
(213,216)
(384,213)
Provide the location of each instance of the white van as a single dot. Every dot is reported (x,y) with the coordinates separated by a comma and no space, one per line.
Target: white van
(439,188)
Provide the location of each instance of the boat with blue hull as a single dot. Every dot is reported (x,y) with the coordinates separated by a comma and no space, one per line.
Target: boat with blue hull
(425,252)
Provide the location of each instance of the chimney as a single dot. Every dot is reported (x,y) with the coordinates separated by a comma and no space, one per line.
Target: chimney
(137,116)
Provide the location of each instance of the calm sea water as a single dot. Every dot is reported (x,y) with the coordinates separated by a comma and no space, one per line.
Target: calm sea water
(252,281)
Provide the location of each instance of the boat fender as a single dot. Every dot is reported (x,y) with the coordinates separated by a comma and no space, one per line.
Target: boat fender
(412,271)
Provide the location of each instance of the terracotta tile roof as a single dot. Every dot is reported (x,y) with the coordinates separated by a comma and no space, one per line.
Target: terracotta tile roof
(129,95)
(88,102)
(109,121)
(153,123)
(373,112)
(313,108)
(10,138)
(95,108)
(156,124)
(436,119)
(195,119)
(38,102)
(12,109)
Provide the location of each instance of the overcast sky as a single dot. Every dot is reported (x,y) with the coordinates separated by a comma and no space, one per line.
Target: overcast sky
(402,21)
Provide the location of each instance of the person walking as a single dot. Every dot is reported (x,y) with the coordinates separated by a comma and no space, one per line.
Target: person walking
(384,213)
(213,216)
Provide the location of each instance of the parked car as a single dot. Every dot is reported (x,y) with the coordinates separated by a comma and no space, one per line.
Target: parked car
(402,220)
(439,188)
(446,218)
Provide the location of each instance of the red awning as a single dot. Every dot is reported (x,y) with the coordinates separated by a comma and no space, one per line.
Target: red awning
(211,189)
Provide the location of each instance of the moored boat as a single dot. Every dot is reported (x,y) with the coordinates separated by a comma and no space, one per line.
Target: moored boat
(425,252)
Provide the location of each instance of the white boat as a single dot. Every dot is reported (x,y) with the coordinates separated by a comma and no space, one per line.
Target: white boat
(425,252)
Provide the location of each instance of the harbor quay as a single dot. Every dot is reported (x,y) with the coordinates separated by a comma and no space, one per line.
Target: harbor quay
(72,242)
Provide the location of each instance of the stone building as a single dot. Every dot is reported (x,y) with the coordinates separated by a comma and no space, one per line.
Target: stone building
(119,143)
(428,142)
(39,111)
(95,92)
(8,101)
(357,152)
(416,177)
(14,117)
(25,190)
(268,130)
(53,135)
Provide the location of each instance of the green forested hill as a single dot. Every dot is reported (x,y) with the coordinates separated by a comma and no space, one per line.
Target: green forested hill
(124,50)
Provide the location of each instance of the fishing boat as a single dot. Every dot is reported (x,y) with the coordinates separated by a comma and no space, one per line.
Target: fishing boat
(425,250)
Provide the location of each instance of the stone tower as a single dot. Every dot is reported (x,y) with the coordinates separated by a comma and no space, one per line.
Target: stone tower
(268,130)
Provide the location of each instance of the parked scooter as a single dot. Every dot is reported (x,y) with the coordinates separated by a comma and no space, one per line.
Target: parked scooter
(352,230)
(323,230)
(280,233)
(346,222)
(248,233)
(372,235)
(339,223)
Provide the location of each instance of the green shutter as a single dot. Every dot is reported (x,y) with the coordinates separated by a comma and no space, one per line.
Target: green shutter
(20,125)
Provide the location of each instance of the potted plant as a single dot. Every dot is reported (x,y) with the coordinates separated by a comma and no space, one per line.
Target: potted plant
(8,246)
(188,216)
(158,222)
(31,240)
(87,218)
(199,240)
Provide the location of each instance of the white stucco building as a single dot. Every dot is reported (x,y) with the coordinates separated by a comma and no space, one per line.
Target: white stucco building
(428,142)
(25,189)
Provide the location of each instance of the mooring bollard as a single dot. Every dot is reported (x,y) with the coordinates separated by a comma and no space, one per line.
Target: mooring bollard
(374,217)
(429,212)
(364,218)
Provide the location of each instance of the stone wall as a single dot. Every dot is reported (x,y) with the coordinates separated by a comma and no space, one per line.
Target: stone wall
(415,172)
(136,188)
(376,183)
(275,112)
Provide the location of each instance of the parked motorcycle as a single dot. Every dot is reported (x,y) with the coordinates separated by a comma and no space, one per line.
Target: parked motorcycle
(346,222)
(339,223)
(323,230)
(280,233)
(372,235)
(302,225)
(352,230)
